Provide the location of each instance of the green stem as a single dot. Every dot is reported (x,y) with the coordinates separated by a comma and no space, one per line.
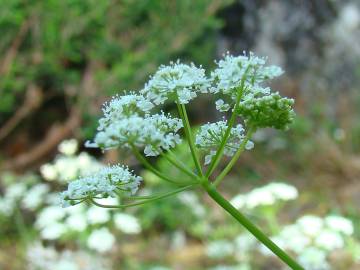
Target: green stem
(169,157)
(152,169)
(162,196)
(190,138)
(232,162)
(216,196)
(216,159)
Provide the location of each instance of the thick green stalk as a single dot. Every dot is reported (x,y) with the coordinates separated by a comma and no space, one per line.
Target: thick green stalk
(189,135)
(232,162)
(216,196)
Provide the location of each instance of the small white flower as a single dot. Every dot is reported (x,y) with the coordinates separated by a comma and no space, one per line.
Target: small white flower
(68,147)
(35,196)
(53,231)
(221,106)
(233,71)
(155,133)
(313,258)
(49,215)
(219,249)
(76,222)
(311,225)
(106,182)
(340,224)
(49,172)
(101,240)
(127,223)
(329,240)
(176,81)
(98,215)
(210,136)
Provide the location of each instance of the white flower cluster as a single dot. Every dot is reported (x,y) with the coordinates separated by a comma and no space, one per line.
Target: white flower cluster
(243,76)
(313,239)
(54,222)
(266,195)
(153,132)
(124,106)
(234,71)
(40,257)
(69,166)
(210,136)
(106,182)
(176,81)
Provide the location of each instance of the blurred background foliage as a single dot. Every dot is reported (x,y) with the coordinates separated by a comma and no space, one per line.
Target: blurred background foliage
(60,60)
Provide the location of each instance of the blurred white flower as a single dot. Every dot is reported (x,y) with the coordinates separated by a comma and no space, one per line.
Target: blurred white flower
(76,222)
(310,225)
(266,195)
(68,147)
(329,240)
(49,215)
(98,215)
(35,196)
(127,223)
(101,240)
(219,249)
(48,258)
(313,258)
(340,224)
(53,231)
(49,172)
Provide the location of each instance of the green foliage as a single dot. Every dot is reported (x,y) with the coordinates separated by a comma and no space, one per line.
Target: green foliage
(58,45)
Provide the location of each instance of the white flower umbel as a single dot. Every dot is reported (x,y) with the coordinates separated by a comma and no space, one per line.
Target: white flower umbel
(120,107)
(127,223)
(233,71)
(68,147)
(210,136)
(266,195)
(101,240)
(106,182)
(176,81)
(340,224)
(154,133)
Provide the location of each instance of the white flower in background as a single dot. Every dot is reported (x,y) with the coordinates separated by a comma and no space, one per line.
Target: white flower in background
(34,196)
(219,249)
(53,231)
(48,258)
(266,195)
(106,182)
(76,222)
(210,136)
(127,223)
(67,167)
(329,240)
(68,147)
(49,172)
(49,215)
(154,133)
(243,266)
(311,225)
(313,258)
(15,191)
(101,240)
(340,224)
(190,199)
(98,215)
(176,81)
